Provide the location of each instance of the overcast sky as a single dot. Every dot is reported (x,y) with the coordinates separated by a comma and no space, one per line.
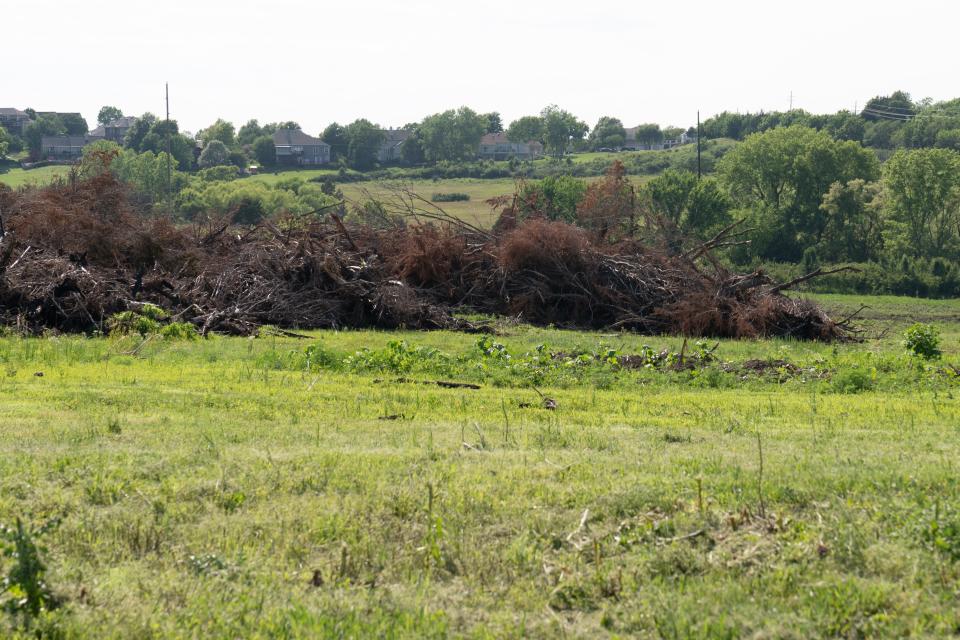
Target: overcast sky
(395,61)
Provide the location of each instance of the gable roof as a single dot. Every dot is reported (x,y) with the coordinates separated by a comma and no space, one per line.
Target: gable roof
(496,138)
(395,135)
(65,141)
(123,121)
(501,138)
(290,137)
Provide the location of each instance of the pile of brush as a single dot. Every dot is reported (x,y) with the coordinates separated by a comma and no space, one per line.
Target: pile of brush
(73,254)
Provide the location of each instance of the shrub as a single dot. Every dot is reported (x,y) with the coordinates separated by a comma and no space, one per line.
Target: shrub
(449,197)
(179,331)
(150,320)
(922,340)
(852,381)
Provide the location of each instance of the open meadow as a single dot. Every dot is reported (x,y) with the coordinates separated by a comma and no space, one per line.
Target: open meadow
(17,177)
(567,484)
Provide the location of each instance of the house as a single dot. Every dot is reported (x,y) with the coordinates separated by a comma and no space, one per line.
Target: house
(392,144)
(14,120)
(496,146)
(295,148)
(64,148)
(116,130)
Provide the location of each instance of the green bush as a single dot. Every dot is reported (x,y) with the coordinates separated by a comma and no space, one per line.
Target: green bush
(922,340)
(150,320)
(852,381)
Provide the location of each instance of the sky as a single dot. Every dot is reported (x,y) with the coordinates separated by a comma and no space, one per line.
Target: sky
(395,61)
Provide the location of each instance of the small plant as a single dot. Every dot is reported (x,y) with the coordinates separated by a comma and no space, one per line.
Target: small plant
(150,320)
(922,340)
(206,565)
(179,331)
(24,588)
(113,426)
(943,535)
(130,322)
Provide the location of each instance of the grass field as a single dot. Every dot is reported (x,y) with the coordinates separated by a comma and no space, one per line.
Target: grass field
(36,177)
(474,210)
(277,487)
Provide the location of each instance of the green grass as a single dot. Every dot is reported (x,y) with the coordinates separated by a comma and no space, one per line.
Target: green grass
(474,210)
(273,177)
(33,177)
(249,487)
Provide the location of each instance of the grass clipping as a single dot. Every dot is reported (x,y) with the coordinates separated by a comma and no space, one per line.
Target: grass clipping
(73,254)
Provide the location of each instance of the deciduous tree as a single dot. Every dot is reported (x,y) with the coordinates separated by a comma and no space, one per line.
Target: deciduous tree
(220,130)
(526,129)
(335,135)
(923,191)
(214,154)
(264,151)
(780,177)
(452,135)
(607,133)
(108,114)
(363,142)
(560,128)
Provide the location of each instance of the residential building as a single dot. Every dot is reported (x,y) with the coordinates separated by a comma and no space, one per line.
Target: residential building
(14,120)
(116,130)
(496,146)
(295,148)
(392,145)
(64,148)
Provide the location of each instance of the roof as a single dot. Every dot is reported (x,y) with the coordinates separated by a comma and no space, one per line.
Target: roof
(290,137)
(99,132)
(65,141)
(395,135)
(10,111)
(501,138)
(495,138)
(124,121)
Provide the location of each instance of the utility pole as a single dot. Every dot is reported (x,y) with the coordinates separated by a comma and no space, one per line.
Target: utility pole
(169,169)
(699,171)
(791,100)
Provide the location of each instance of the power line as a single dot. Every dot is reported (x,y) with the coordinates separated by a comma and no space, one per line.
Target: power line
(903,117)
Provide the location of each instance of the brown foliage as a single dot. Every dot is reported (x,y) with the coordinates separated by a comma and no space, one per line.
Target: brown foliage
(609,205)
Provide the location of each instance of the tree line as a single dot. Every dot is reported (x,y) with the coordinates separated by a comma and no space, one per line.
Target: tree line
(803,198)
(894,121)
